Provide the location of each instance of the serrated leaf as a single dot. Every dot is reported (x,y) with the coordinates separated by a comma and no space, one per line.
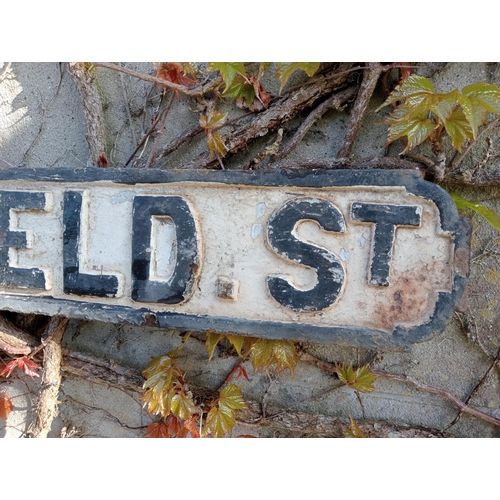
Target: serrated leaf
(360,379)
(212,340)
(473,111)
(459,129)
(416,130)
(5,405)
(284,70)
(228,70)
(157,430)
(214,119)
(490,215)
(237,342)
(173,72)
(25,364)
(231,398)
(219,422)
(354,431)
(279,353)
(241,89)
(182,406)
(486,94)
(215,144)
(415,86)
(443,105)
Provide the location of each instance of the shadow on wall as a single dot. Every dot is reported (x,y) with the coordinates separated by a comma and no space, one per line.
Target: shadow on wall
(41,122)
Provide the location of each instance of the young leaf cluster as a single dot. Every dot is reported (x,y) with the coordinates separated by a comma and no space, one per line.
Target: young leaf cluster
(265,354)
(422,113)
(360,379)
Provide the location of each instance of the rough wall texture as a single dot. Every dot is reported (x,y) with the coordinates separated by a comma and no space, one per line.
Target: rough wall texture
(42,125)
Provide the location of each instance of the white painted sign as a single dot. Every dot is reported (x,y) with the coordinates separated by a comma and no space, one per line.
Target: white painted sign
(364,258)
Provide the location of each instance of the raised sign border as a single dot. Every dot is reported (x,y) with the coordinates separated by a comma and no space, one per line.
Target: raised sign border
(364,337)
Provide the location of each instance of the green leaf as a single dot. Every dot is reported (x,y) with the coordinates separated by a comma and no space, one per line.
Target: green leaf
(241,89)
(219,422)
(459,129)
(360,379)
(490,215)
(212,340)
(214,119)
(228,70)
(486,94)
(279,353)
(182,406)
(285,70)
(216,144)
(354,431)
(237,342)
(415,86)
(473,111)
(231,398)
(443,105)
(416,130)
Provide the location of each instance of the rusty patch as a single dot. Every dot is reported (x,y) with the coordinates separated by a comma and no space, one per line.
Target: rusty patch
(150,320)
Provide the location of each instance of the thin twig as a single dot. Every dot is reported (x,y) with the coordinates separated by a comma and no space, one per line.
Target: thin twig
(370,78)
(127,108)
(476,388)
(196,91)
(445,394)
(152,155)
(336,101)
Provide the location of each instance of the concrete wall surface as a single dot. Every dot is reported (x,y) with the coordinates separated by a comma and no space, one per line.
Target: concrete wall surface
(42,125)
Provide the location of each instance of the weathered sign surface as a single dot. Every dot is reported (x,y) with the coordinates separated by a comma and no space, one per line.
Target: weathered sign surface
(372,258)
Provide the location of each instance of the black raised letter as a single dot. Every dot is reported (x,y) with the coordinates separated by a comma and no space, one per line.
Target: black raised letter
(178,288)
(328,268)
(16,276)
(385,218)
(74,281)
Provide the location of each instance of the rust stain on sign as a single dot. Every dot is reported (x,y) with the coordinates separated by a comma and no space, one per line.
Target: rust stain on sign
(371,258)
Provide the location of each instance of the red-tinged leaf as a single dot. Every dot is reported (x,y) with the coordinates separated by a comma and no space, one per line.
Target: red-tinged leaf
(157,430)
(245,436)
(228,70)
(212,340)
(24,364)
(173,72)
(103,162)
(242,373)
(9,368)
(192,426)
(262,95)
(215,144)
(284,70)
(5,405)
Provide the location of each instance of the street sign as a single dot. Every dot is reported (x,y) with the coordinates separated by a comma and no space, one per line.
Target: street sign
(370,258)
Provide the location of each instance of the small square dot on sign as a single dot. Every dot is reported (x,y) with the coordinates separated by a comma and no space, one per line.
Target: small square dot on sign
(227,288)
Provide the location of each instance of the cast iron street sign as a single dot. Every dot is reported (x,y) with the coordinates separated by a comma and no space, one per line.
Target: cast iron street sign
(371,258)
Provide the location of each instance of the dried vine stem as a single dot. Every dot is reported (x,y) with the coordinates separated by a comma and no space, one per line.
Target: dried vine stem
(46,408)
(92,109)
(370,78)
(336,101)
(279,112)
(325,365)
(197,91)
